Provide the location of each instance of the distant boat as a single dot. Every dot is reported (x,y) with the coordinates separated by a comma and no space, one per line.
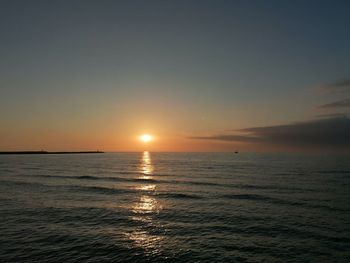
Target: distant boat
(236,151)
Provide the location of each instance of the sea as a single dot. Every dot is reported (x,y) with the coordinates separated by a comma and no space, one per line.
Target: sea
(175,207)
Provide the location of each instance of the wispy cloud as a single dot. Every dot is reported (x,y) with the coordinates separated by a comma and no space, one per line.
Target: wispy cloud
(229,137)
(332,115)
(337,87)
(330,132)
(340,86)
(337,104)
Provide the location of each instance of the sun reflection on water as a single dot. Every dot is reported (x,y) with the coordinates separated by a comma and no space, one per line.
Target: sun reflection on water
(146,167)
(146,205)
(145,209)
(149,187)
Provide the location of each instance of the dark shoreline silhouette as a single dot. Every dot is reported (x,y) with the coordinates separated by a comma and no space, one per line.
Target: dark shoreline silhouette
(46,152)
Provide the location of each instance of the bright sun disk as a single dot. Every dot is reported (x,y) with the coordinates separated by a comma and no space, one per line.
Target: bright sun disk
(146,138)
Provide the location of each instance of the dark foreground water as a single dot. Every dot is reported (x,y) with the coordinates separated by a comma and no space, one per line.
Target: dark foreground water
(158,207)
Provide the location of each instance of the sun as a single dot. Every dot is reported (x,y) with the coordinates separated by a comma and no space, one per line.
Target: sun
(146,138)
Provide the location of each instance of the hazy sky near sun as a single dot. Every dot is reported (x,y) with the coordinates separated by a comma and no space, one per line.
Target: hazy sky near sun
(199,75)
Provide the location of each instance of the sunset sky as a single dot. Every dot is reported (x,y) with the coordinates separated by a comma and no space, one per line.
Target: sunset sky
(197,75)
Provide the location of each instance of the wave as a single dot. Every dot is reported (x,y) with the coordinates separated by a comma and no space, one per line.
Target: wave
(339,176)
(248,197)
(179,196)
(272,187)
(99,189)
(279,201)
(200,183)
(124,179)
(91,177)
(96,189)
(102,190)
(160,181)
(334,171)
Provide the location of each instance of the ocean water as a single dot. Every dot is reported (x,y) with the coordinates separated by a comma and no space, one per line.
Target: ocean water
(174,207)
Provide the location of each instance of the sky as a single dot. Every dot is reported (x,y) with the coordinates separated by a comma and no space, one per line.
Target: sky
(197,75)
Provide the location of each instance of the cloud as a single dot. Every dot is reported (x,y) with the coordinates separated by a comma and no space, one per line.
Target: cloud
(341,83)
(327,132)
(332,115)
(321,133)
(339,86)
(234,138)
(338,104)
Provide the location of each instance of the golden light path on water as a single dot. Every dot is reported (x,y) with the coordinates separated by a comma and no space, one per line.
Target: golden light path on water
(145,209)
(146,167)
